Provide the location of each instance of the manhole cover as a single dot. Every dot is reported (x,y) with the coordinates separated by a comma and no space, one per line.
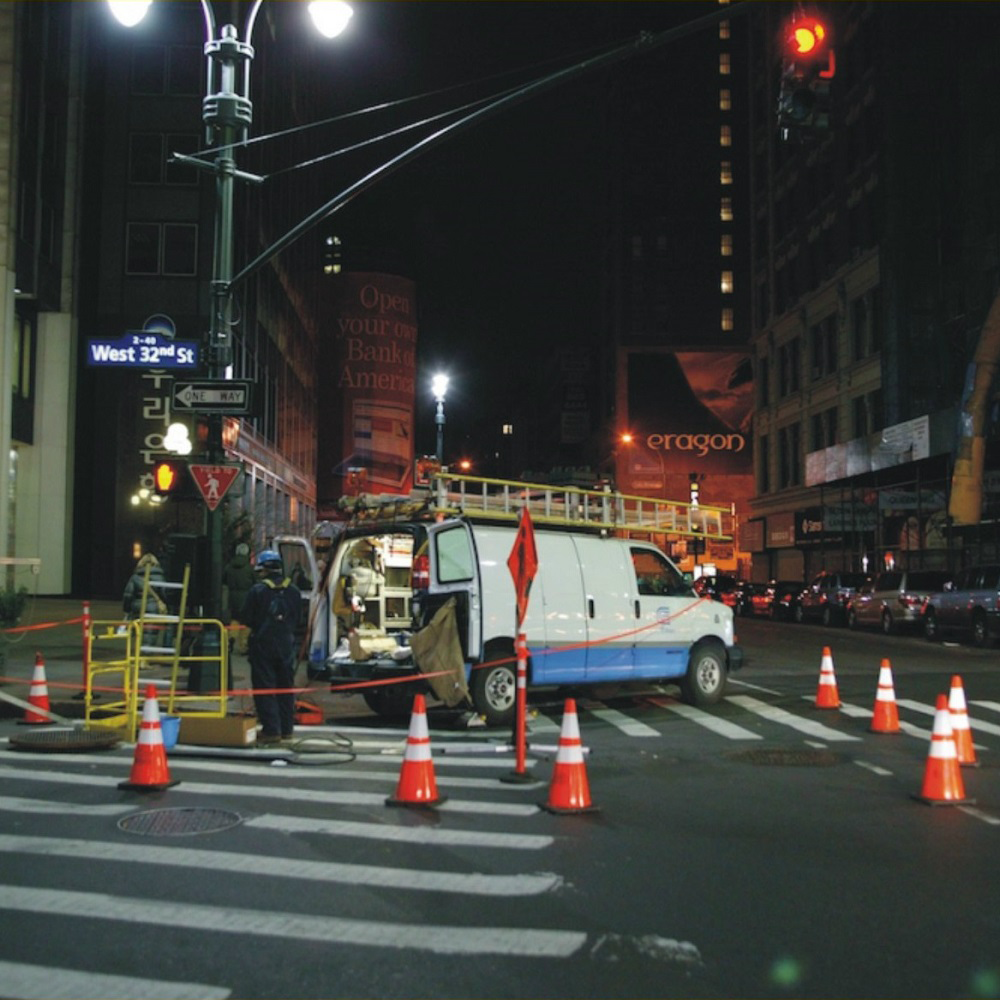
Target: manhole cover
(798,757)
(178,822)
(63,740)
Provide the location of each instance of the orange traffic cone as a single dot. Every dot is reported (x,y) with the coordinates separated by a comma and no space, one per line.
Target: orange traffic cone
(38,697)
(885,717)
(826,693)
(961,730)
(942,777)
(569,791)
(149,766)
(417,786)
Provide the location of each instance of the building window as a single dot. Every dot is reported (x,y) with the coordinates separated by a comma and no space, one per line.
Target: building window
(725,67)
(726,172)
(823,348)
(726,283)
(149,69)
(824,429)
(789,464)
(149,153)
(169,248)
(185,70)
(727,320)
(763,464)
(25,342)
(725,99)
(725,135)
(726,246)
(763,381)
(723,29)
(726,210)
(788,368)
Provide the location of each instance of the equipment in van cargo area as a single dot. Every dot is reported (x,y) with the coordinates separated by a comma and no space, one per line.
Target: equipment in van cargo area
(603,609)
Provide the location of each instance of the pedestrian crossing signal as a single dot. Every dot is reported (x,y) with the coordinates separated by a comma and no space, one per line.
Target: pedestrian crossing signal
(168,477)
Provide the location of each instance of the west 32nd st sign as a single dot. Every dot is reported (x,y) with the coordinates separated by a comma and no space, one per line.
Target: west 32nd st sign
(142,349)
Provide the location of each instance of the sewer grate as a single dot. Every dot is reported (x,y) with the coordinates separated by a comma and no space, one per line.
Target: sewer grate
(181,822)
(787,757)
(64,740)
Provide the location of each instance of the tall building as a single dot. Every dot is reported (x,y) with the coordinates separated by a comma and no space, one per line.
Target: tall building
(875,258)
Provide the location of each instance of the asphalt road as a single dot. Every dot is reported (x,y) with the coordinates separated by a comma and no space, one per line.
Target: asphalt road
(762,848)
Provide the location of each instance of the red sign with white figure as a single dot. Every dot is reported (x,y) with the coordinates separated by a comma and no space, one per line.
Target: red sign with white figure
(213,481)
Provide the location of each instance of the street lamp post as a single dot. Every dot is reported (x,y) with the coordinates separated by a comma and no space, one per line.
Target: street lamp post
(227,113)
(439,386)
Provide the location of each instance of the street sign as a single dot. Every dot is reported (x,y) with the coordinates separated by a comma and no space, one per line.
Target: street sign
(228,396)
(142,349)
(213,481)
(523,562)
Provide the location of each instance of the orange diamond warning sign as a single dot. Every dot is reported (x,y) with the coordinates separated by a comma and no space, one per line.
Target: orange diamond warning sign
(213,481)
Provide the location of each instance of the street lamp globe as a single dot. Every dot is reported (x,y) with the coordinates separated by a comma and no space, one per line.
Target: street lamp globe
(129,12)
(330,17)
(439,386)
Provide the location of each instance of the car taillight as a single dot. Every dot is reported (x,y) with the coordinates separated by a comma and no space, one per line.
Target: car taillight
(910,601)
(420,572)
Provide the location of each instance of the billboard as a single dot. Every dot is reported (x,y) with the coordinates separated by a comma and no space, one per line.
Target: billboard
(368,364)
(688,413)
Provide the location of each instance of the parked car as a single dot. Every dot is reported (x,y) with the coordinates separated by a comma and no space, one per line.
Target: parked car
(761,598)
(894,599)
(719,588)
(784,598)
(745,594)
(969,605)
(827,596)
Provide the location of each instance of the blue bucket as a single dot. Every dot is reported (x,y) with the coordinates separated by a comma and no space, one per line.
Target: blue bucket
(170,727)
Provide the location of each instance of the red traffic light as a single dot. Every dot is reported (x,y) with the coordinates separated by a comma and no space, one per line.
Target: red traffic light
(806,38)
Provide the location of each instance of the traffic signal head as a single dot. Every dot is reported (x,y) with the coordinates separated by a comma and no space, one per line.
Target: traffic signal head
(808,66)
(168,477)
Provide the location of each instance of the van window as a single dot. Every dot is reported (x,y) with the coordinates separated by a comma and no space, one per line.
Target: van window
(655,576)
(453,555)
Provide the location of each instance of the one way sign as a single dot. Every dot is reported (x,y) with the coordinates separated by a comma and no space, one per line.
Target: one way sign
(227,396)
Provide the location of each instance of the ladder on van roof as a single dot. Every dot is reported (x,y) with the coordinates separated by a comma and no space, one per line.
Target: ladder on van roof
(501,500)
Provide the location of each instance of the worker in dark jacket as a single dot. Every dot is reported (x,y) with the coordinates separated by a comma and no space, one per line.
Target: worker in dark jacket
(272,613)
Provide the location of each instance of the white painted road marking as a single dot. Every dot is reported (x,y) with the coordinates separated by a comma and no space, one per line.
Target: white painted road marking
(722,727)
(774,714)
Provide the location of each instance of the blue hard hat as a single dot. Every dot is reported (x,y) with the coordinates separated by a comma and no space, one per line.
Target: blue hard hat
(269,559)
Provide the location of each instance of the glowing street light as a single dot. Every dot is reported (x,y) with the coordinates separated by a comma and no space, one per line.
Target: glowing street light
(439,387)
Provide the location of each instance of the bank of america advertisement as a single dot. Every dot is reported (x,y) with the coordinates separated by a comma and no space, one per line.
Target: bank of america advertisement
(368,360)
(687,412)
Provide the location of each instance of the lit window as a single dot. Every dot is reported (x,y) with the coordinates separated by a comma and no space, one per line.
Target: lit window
(726,210)
(726,248)
(725,172)
(724,67)
(725,99)
(725,136)
(726,284)
(723,29)
(727,319)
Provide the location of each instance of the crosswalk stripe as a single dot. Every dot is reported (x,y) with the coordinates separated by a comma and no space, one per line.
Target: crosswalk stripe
(431,835)
(42,982)
(312,795)
(857,712)
(722,727)
(541,723)
(993,706)
(9,803)
(417,879)
(530,942)
(774,714)
(976,724)
(623,722)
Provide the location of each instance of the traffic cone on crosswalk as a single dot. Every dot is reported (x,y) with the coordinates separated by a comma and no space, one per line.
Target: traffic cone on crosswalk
(942,778)
(826,693)
(961,730)
(569,791)
(885,717)
(417,785)
(38,697)
(149,765)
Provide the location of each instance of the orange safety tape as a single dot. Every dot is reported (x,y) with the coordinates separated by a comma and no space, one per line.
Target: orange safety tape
(43,625)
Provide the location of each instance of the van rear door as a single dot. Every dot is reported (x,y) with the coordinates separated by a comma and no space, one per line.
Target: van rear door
(454,572)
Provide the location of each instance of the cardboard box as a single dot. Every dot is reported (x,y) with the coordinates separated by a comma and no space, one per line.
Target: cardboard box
(230,731)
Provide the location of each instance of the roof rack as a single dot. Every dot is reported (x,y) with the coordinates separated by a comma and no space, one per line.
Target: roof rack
(555,506)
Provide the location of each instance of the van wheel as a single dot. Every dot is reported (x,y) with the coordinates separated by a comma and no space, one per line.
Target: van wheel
(706,676)
(494,687)
(389,703)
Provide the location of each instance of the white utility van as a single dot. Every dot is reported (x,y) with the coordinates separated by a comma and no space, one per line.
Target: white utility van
(601,610)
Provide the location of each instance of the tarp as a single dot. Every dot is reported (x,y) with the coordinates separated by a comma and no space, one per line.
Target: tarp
(436,648)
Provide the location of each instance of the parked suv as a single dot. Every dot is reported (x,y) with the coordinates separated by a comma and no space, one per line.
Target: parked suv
(894,599)
(827,596)
(969,605)
(784,598)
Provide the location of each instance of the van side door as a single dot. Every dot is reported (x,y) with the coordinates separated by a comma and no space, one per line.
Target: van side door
(665,603)
(454,572)
(609,607)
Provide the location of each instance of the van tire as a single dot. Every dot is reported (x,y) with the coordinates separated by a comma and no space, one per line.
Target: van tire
(705,680)
(494,687)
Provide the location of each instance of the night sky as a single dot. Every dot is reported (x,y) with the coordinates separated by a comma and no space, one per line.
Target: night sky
(500,226)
